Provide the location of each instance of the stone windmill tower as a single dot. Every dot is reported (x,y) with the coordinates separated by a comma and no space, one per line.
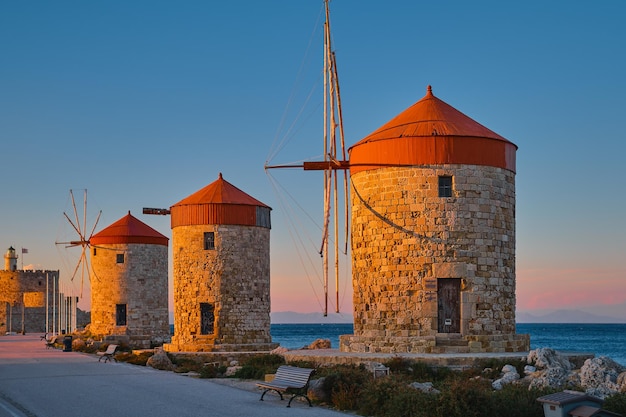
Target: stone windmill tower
(129,300)
(433,235)
(221,254)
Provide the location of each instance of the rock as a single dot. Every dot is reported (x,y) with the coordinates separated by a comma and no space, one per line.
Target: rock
(320,344)
(234,363)
(78,344)
(553,377)
(621,381)
(528,369)
(425,387)
(599,376)
(160,360)
(316,390)
(232,370)
(508,369)
(279,350)
(551,369)
(544,358)
(509,375)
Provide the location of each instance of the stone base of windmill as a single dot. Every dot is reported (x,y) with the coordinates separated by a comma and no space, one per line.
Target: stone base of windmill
(439,343)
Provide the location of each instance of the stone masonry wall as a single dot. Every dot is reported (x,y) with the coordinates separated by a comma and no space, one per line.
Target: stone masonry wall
(140,282)
(234,278)
(23,294)
(405,238)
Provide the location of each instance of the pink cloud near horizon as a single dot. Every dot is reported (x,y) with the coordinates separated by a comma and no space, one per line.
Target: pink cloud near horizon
(554,288)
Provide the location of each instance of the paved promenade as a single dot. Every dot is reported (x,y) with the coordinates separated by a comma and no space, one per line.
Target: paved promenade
(40,382)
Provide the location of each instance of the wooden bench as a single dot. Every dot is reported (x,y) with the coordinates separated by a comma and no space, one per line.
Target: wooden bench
(290,380)
(108,354)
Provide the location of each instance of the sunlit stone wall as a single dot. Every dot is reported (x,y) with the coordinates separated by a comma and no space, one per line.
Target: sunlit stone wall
(140,282)
(233,279)
(406,240)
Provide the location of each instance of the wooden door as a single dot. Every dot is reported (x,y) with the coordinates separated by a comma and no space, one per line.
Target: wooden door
(449,305)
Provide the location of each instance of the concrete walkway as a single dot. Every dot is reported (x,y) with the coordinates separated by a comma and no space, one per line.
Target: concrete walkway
(40,382)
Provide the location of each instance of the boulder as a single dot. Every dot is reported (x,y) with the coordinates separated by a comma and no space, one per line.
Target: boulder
(160,360)
(78,344)
(232,370)
(551,369)
(425,387)
(509,375)
(599,376)
(529,369)
(316,391)
(320,344)
(279,351)
(621,381)
(544,358)
(553,377)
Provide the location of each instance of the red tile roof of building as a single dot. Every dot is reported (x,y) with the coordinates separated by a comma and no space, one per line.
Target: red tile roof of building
(220,192)
(431,132)
(431,116)
(126,230)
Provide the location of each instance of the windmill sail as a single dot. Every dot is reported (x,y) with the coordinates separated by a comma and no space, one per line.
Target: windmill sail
(334,161)
(83,239)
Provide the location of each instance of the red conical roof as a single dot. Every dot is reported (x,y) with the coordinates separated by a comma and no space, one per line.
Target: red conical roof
(129,229)
(220,192)
(432,132)
(220,203)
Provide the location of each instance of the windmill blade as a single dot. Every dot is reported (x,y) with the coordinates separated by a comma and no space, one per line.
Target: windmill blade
(85,212)
(94,225)
(78,229)
(70,244)
(78,264)
(82,275)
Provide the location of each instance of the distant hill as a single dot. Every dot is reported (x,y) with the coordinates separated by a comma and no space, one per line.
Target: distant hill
(565,316)
(291,317)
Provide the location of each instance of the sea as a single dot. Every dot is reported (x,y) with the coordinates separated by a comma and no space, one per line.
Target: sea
(599,339)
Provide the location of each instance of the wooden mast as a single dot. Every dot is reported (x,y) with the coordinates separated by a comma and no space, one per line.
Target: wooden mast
(331,163)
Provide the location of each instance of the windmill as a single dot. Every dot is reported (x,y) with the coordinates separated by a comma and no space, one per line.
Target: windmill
(83,264)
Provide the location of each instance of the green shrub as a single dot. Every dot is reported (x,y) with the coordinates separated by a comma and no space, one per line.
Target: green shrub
(210,371)
(185,364)
(492,367)
(134,359)
(344,384)
(409,402)
(616,403)
(418,371)
(466,398)
(256,367)
(399,365)
(518,401)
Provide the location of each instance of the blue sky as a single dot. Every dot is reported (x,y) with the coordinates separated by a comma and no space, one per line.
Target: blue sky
(144,103)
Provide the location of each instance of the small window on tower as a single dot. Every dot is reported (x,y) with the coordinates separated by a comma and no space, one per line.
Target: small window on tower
(94,251)
(120,314)
(207,318)
(209,240)
(445,186)
(120,258)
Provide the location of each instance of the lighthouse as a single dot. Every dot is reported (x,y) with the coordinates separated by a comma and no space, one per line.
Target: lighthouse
(10,259)
(433,235)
